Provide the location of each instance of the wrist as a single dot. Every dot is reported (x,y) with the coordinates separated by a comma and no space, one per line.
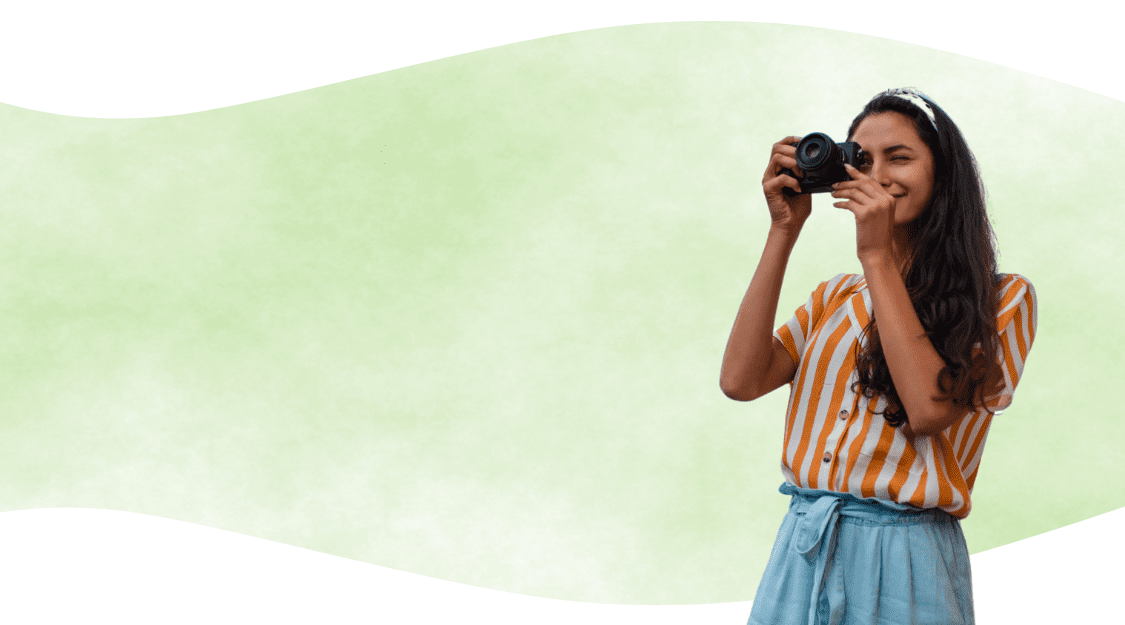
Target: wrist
(878,261)
(787,231)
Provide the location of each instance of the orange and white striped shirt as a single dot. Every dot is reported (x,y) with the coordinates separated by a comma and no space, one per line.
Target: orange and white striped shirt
(834,440)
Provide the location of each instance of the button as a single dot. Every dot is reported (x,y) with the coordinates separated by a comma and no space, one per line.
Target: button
(827,456)
(843,414)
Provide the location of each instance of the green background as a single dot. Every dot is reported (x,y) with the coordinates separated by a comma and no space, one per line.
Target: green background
(465,319)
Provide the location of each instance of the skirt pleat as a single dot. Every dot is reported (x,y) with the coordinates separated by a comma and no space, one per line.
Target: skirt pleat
(841,560)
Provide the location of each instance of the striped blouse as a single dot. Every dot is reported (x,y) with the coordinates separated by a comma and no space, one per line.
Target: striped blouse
(834,440)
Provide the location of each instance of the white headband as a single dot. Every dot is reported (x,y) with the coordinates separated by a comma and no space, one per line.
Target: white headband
(914,97)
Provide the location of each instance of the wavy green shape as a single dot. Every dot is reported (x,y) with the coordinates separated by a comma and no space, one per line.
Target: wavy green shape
(465,319)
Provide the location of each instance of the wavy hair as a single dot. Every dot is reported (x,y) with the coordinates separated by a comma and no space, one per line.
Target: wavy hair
(952,273)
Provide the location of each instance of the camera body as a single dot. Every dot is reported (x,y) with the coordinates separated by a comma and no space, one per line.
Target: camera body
(822,161)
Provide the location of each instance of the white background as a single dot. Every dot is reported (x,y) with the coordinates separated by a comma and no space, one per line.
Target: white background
(139,59)
(136,58)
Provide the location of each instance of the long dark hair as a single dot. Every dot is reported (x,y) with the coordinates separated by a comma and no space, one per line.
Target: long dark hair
(952,273)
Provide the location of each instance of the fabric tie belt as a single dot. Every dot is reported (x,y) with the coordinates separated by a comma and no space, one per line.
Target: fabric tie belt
(815,537)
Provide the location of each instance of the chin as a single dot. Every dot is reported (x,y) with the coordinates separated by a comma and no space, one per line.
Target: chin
(908,216)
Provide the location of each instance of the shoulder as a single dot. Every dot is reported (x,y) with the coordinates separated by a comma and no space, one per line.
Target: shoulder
(1011,287)
(1015,297)
(843,283)
(1004,281)
(839,286)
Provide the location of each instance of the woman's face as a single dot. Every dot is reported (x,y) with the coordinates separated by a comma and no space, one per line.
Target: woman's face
(900,161)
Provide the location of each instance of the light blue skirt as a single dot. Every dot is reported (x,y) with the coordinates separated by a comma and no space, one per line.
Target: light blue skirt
(842,560)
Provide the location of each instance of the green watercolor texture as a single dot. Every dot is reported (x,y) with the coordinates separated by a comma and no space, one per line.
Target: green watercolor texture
(465,319)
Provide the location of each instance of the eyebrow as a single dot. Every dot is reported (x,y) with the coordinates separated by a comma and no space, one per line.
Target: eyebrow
(896,147)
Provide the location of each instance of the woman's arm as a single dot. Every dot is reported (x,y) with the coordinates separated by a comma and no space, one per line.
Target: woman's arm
(754,362)
(913,362)
(911,358)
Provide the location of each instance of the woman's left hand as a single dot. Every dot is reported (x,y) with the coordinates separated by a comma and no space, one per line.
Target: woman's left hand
(874,210)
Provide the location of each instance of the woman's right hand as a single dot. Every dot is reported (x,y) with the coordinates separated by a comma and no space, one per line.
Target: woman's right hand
(786,212)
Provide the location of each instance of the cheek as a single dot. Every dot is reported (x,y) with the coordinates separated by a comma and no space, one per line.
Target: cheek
(922,184)
(926,187)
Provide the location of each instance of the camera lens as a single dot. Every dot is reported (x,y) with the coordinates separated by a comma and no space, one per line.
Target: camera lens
(815,152)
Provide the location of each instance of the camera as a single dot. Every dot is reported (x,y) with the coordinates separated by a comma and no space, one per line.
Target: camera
(822,161)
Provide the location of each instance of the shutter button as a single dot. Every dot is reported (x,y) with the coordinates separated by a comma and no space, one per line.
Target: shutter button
(843,414)
(827,456)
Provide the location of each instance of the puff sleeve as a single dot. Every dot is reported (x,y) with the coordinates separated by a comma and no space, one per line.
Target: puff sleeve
(1015,324)
(795,332)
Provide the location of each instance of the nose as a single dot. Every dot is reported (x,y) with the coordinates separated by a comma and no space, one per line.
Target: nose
(881,174)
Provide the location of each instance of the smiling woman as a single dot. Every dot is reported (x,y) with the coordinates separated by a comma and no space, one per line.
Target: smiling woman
(899,162)
(886,422)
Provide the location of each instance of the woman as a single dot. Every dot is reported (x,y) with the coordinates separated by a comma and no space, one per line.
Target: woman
(894,376)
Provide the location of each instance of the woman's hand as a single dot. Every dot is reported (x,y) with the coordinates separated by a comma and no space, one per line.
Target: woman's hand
(874,210)
(786,212)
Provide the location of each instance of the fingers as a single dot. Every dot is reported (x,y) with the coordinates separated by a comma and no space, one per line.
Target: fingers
(782,171)
(779,161)
(848,184)
(853,200)
(859,179)
(786,147)
(850,194)
(782,157)
(777,183)
(789,143)
(861,195)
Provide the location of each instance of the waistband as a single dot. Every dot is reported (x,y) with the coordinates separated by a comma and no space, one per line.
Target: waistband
(868,508)
(819,520)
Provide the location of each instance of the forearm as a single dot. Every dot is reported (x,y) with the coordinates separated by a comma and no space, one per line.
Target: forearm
(913,362)
(750,346)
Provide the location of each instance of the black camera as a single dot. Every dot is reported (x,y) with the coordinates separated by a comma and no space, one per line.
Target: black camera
(822,161)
